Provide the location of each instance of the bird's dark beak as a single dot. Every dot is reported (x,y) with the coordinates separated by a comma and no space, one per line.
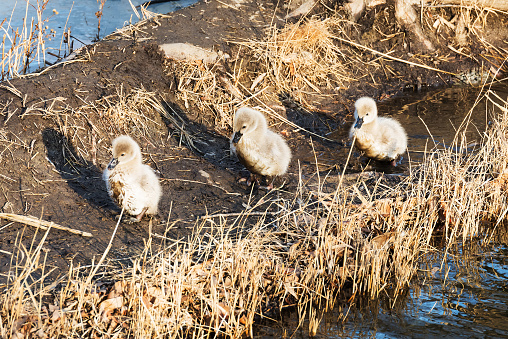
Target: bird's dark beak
(112,164)
(236,137)
(359,123)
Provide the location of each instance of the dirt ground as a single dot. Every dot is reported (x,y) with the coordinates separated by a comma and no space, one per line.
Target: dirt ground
(52,163)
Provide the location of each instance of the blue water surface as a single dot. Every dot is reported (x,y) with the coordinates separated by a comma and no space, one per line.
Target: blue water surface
(77,15)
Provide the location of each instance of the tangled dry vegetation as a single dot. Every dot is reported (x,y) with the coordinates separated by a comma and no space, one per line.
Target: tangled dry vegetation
(318,57)
(302,61)
(366,238)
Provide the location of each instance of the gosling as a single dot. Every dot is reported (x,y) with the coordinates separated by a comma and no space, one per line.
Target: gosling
(131,184)
(380,138)
(260,150)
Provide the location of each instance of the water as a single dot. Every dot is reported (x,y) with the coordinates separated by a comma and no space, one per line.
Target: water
(77,15)
(431,120)
(464,299)
(469,303)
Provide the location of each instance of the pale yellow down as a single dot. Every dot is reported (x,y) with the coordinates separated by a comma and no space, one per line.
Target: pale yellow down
(380,138)
(131,184)
(259,149)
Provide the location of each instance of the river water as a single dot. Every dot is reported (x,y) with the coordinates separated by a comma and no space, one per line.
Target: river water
(79,16)
(468,303)
(467,297)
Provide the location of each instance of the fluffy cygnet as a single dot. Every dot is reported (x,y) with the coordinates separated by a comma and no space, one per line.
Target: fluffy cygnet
(260,150)
(380,138)
(131,184)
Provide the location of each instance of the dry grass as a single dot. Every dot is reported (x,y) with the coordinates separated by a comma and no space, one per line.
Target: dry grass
(315,58)
(298,61)
(128,113)
(210,89)
(459,27)
(234,270)
(138,112)
(304,57)
(25,45)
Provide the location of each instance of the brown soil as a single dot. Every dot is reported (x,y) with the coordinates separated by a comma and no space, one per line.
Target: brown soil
(52,163)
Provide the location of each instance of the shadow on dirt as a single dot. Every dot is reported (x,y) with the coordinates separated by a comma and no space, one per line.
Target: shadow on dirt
(81,175)
(213,147)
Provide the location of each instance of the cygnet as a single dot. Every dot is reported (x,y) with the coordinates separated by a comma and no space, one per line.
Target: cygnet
(380,138)
(131,184)
(260,150)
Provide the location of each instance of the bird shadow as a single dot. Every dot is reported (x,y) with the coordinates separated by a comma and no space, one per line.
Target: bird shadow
(211,146)
(82,176)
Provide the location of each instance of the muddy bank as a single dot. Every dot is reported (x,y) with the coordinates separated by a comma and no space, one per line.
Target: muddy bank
(58,126)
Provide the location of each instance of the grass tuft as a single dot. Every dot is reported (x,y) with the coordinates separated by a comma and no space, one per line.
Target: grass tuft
(366,238)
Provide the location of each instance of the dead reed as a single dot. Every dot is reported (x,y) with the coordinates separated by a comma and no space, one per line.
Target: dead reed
(237,269)
(25,45)
(304,57)
(210,88)
(315,57)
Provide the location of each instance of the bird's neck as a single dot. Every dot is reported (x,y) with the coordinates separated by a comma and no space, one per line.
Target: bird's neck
(133,163)
(370,125)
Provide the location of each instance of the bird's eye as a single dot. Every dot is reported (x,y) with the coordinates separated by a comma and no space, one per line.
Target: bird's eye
(122,155)
(244,126)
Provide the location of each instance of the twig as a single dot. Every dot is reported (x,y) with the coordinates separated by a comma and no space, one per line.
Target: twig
(42,224)
(272,112)
(96,268)
(162,107)
(13,90)
(393,58)
(222,215)
(227,5)
(67,62)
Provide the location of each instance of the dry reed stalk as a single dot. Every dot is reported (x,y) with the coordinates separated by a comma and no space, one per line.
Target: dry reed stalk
(128,112)
(303,58)
(387,56)
(207,87)
(98,14)
(42,224)
(22,46)
(237,269)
